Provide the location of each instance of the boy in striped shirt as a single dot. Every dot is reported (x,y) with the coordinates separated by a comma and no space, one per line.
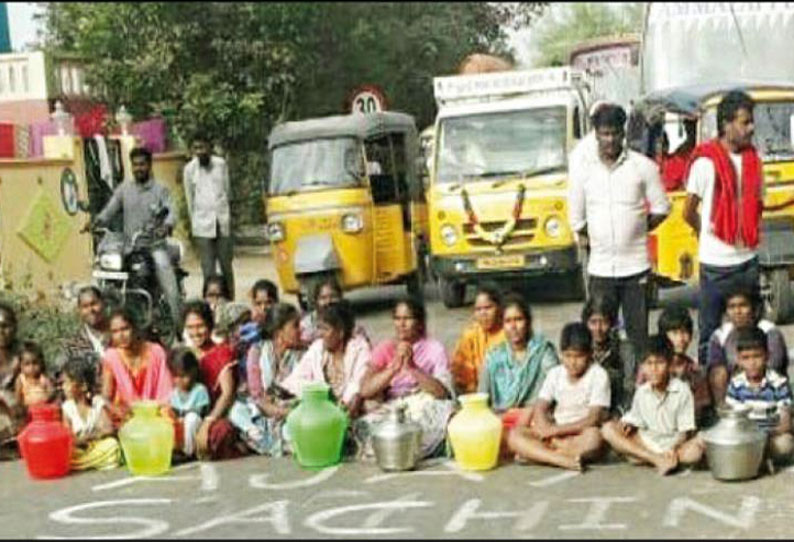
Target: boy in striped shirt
(764,391)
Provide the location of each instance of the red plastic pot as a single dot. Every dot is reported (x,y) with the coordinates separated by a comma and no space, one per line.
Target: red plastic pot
(45,443)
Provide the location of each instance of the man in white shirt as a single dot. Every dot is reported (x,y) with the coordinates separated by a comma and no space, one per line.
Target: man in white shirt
(208,191)
(615,198)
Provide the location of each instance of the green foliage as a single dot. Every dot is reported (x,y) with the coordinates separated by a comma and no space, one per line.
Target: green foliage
(567,25)
(43,320)
(236,69)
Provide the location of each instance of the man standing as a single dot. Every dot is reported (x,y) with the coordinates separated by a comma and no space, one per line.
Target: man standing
(726,177)
(608,191)
(138,201)
(207,191)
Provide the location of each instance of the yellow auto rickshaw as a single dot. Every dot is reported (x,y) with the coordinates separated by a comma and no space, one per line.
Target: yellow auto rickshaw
(673,245)
(344,199)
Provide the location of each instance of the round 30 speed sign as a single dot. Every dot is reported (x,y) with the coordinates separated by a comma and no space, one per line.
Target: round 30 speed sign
(367,99)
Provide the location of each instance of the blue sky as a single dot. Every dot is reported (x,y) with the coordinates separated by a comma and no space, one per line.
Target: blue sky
(23,27)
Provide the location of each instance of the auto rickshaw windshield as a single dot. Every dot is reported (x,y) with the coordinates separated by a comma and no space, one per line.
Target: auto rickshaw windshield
(317,164)
(773,129)
(507,143)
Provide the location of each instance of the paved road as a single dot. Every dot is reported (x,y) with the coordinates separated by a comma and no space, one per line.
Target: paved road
(266,498)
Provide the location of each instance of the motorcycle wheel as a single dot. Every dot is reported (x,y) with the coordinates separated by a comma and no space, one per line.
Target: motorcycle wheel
(163,327)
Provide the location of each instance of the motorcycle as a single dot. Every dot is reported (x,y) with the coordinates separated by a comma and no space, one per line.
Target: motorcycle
(125,273)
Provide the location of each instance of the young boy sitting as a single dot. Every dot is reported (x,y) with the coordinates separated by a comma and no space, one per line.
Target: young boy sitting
(742,310)
(676,324)
(579,391)
(764,391)
(659,428)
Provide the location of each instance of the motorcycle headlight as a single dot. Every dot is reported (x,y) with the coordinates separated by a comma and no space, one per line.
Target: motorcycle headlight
(275,232)
(111,262)
(352,223)
(553,227)
(449,235)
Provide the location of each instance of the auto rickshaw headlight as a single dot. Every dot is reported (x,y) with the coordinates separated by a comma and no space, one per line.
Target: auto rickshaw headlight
(553,227)
(352,223)
(449,235)
(275,232)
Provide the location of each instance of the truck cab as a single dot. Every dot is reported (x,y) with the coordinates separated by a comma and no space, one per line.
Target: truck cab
(497,198)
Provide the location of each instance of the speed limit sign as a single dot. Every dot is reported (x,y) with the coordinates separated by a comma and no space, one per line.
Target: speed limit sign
(367,99)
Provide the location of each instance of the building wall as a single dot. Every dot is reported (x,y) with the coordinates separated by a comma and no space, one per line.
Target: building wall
(25,111)
(40,244)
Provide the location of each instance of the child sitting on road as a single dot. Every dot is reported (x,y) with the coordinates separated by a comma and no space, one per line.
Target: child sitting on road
(613,352)
(578,391)
(743,310)
(86,416)
(676,324)
(658,428)
(764,391)
(190,400)
(32,385)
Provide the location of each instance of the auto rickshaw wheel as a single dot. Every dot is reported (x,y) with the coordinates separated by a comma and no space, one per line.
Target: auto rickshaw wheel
(776,294)
(307,285)
(452,293)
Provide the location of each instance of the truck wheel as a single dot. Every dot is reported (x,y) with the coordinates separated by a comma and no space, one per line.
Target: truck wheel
(776,293)
(307,285)
(653,293)
(452,293)
(578,282)
(415,285)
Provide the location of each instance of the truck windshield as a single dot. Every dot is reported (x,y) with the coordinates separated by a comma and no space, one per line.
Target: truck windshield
(502,144)
(316,165)
(773,135)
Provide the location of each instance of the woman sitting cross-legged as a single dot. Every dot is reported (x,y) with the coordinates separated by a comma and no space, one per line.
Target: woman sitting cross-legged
(216,438)
(515,369)
(260,413)
(412,369)
(339,358)
(133,369)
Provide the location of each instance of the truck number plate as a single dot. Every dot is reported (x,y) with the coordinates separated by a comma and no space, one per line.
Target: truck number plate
(501,262)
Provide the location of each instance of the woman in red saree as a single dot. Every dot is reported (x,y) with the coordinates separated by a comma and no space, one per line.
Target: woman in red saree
(132,369)
(216,438)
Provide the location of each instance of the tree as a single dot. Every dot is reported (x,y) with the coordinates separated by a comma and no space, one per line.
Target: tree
(570,24)
(236,69)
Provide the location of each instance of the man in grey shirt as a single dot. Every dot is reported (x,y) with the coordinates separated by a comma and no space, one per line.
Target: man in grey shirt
(137,200)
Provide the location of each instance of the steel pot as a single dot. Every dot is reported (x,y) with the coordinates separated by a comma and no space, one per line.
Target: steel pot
(397,441)
(735,446)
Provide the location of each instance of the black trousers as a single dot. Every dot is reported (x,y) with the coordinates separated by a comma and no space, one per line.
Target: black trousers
(631,295)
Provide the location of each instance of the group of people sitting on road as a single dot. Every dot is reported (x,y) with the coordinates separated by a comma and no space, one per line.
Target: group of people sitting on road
(241,368)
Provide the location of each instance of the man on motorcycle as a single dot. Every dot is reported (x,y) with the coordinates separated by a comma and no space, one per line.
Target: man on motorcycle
(138,201)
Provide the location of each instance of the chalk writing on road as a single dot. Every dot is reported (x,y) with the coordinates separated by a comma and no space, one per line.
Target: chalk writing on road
(280,517)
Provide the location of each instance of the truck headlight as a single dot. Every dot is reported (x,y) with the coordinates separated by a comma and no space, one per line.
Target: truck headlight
(352,223)
(553,227)
(449,235)
(111,262)
(275,232)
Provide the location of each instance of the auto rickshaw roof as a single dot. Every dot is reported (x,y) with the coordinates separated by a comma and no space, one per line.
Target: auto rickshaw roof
(359,126)
(688,100)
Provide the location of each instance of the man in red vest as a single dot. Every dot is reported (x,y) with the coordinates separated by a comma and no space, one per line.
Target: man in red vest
(725,176)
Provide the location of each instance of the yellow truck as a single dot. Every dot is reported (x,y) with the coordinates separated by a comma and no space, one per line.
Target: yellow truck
(497,198)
